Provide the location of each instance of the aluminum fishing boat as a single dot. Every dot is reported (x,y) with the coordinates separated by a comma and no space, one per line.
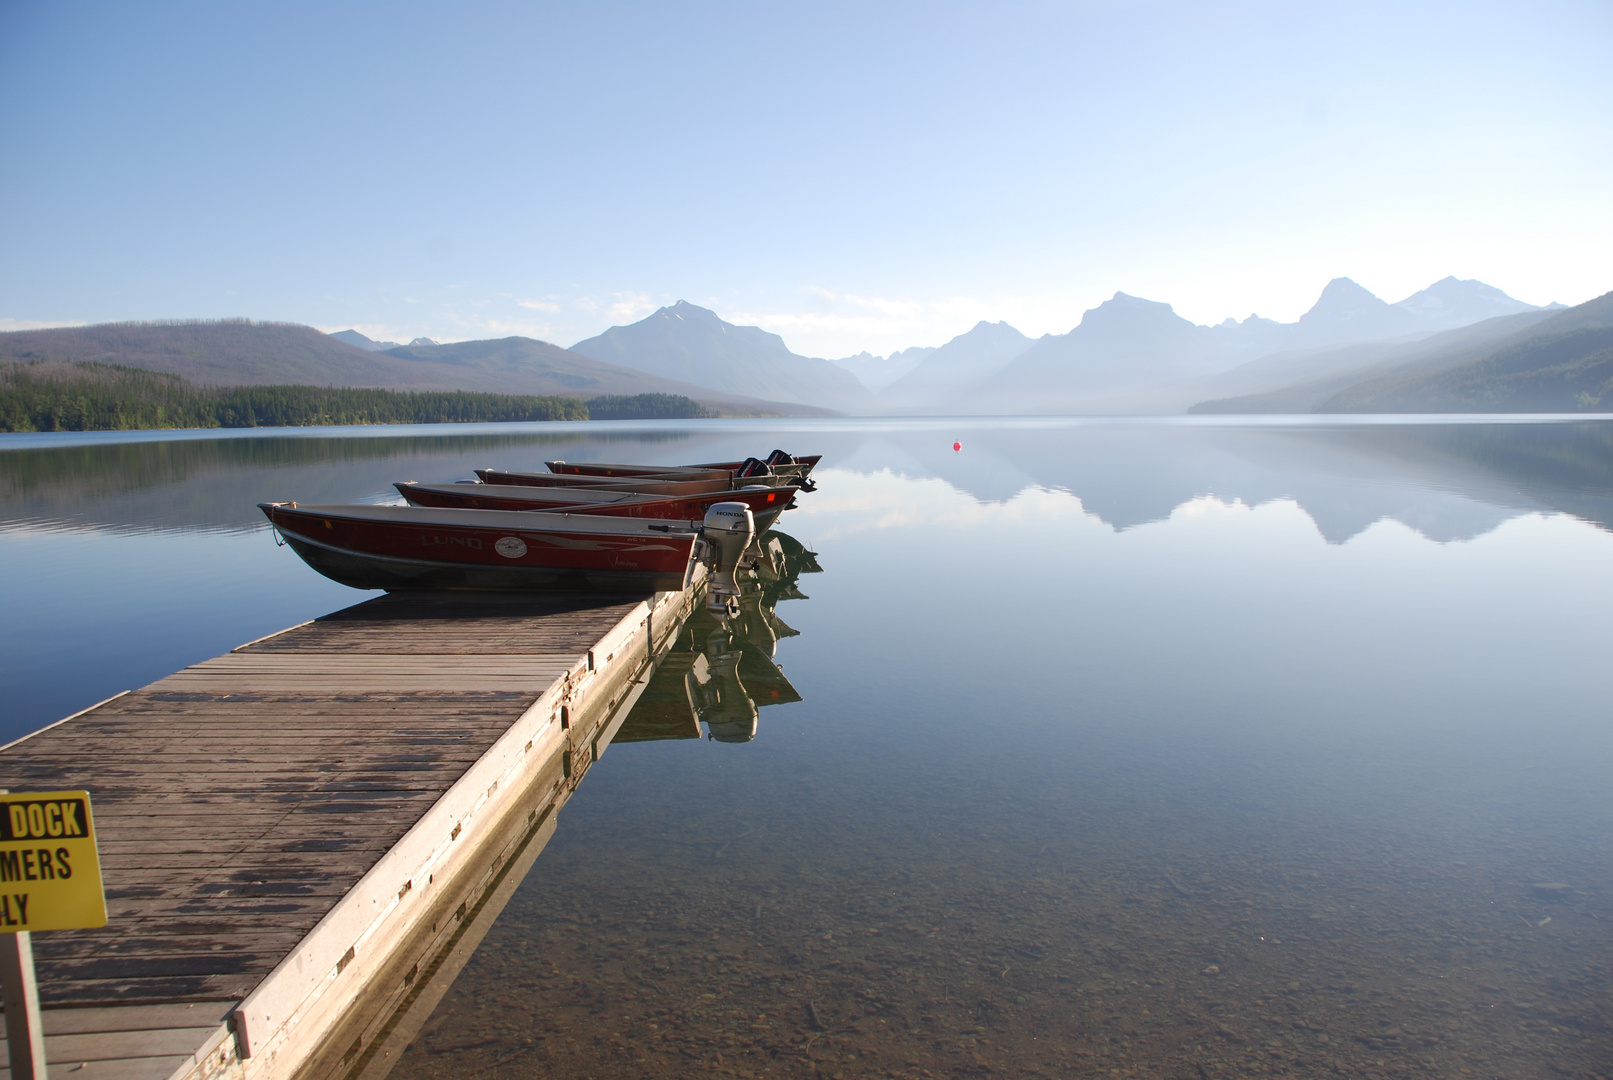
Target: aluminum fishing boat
(750,470)
(778,463)
(766,503)
(649,485)
(417,547)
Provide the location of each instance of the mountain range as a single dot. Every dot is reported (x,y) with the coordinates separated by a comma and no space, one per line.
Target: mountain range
(947,372)
(878,372)
(1560,363)
(1456,345)
(239,352)
(1134,355)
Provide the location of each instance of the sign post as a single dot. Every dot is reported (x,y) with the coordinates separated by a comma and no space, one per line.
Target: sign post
(50,879)
(24,1035)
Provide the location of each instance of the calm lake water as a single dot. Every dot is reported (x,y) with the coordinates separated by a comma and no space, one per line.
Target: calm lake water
(1154,748)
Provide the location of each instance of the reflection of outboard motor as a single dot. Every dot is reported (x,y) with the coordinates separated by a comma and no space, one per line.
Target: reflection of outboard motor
(755,625)
(719,698)
(725,534)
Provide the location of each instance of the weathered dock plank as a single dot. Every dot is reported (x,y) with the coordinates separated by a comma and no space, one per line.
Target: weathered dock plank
(292,833)
(138,1042)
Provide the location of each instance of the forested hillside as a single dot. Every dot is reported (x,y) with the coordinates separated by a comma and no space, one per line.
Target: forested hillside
(1560,362)
(1564,372)
(90,396)
(241,352)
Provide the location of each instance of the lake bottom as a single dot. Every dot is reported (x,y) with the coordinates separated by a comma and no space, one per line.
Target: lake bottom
(1102,917)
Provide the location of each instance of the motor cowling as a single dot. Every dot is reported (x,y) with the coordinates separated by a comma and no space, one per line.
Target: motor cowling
(728,529)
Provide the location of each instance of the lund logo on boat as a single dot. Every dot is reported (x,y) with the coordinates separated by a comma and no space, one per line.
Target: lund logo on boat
(471,542)
(511,547)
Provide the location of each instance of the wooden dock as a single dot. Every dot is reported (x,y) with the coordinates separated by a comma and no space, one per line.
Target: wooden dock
(302,840)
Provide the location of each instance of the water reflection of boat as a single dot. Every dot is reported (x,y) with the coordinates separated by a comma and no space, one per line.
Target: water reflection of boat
(721,671)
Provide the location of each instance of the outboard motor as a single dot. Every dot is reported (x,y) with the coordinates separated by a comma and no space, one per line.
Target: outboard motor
(753,467)
(779,457)
(725,533)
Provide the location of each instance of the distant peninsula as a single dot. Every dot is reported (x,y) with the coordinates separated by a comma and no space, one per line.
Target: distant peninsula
(91,396)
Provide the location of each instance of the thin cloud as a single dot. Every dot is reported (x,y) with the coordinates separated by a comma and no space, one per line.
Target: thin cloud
(7,325)
(623,307)
(834,322)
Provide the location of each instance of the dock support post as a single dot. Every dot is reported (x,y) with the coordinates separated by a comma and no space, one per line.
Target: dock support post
(24,1035)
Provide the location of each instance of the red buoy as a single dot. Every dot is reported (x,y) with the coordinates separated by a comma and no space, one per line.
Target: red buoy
(957,446)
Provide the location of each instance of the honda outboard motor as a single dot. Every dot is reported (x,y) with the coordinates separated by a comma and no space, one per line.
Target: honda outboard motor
(725,533)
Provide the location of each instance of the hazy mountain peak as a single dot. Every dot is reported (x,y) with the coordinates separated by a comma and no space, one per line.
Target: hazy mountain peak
(358,340)
(878,372)
(967,359)
(694,344)
(689,313)
(1453,301)
(1125,299)
(421,342)
(1343,300)
(1132,319)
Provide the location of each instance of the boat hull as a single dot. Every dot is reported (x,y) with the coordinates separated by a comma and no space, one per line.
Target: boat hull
(667,472)
(393,549)
(801,466)
(644,485)
(765,505)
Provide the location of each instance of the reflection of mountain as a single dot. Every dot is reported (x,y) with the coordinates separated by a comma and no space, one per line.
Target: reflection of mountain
(1449,482)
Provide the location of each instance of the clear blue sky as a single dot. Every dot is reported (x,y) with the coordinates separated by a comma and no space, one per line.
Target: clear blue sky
(852,176)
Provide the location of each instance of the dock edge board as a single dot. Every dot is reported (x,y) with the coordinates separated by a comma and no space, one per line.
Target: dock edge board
(284,1029)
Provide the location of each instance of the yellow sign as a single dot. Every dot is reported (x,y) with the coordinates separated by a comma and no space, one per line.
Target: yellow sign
(50,873)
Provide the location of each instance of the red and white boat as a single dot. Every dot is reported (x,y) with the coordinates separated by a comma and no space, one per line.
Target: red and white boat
(766,504)
(418,547)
